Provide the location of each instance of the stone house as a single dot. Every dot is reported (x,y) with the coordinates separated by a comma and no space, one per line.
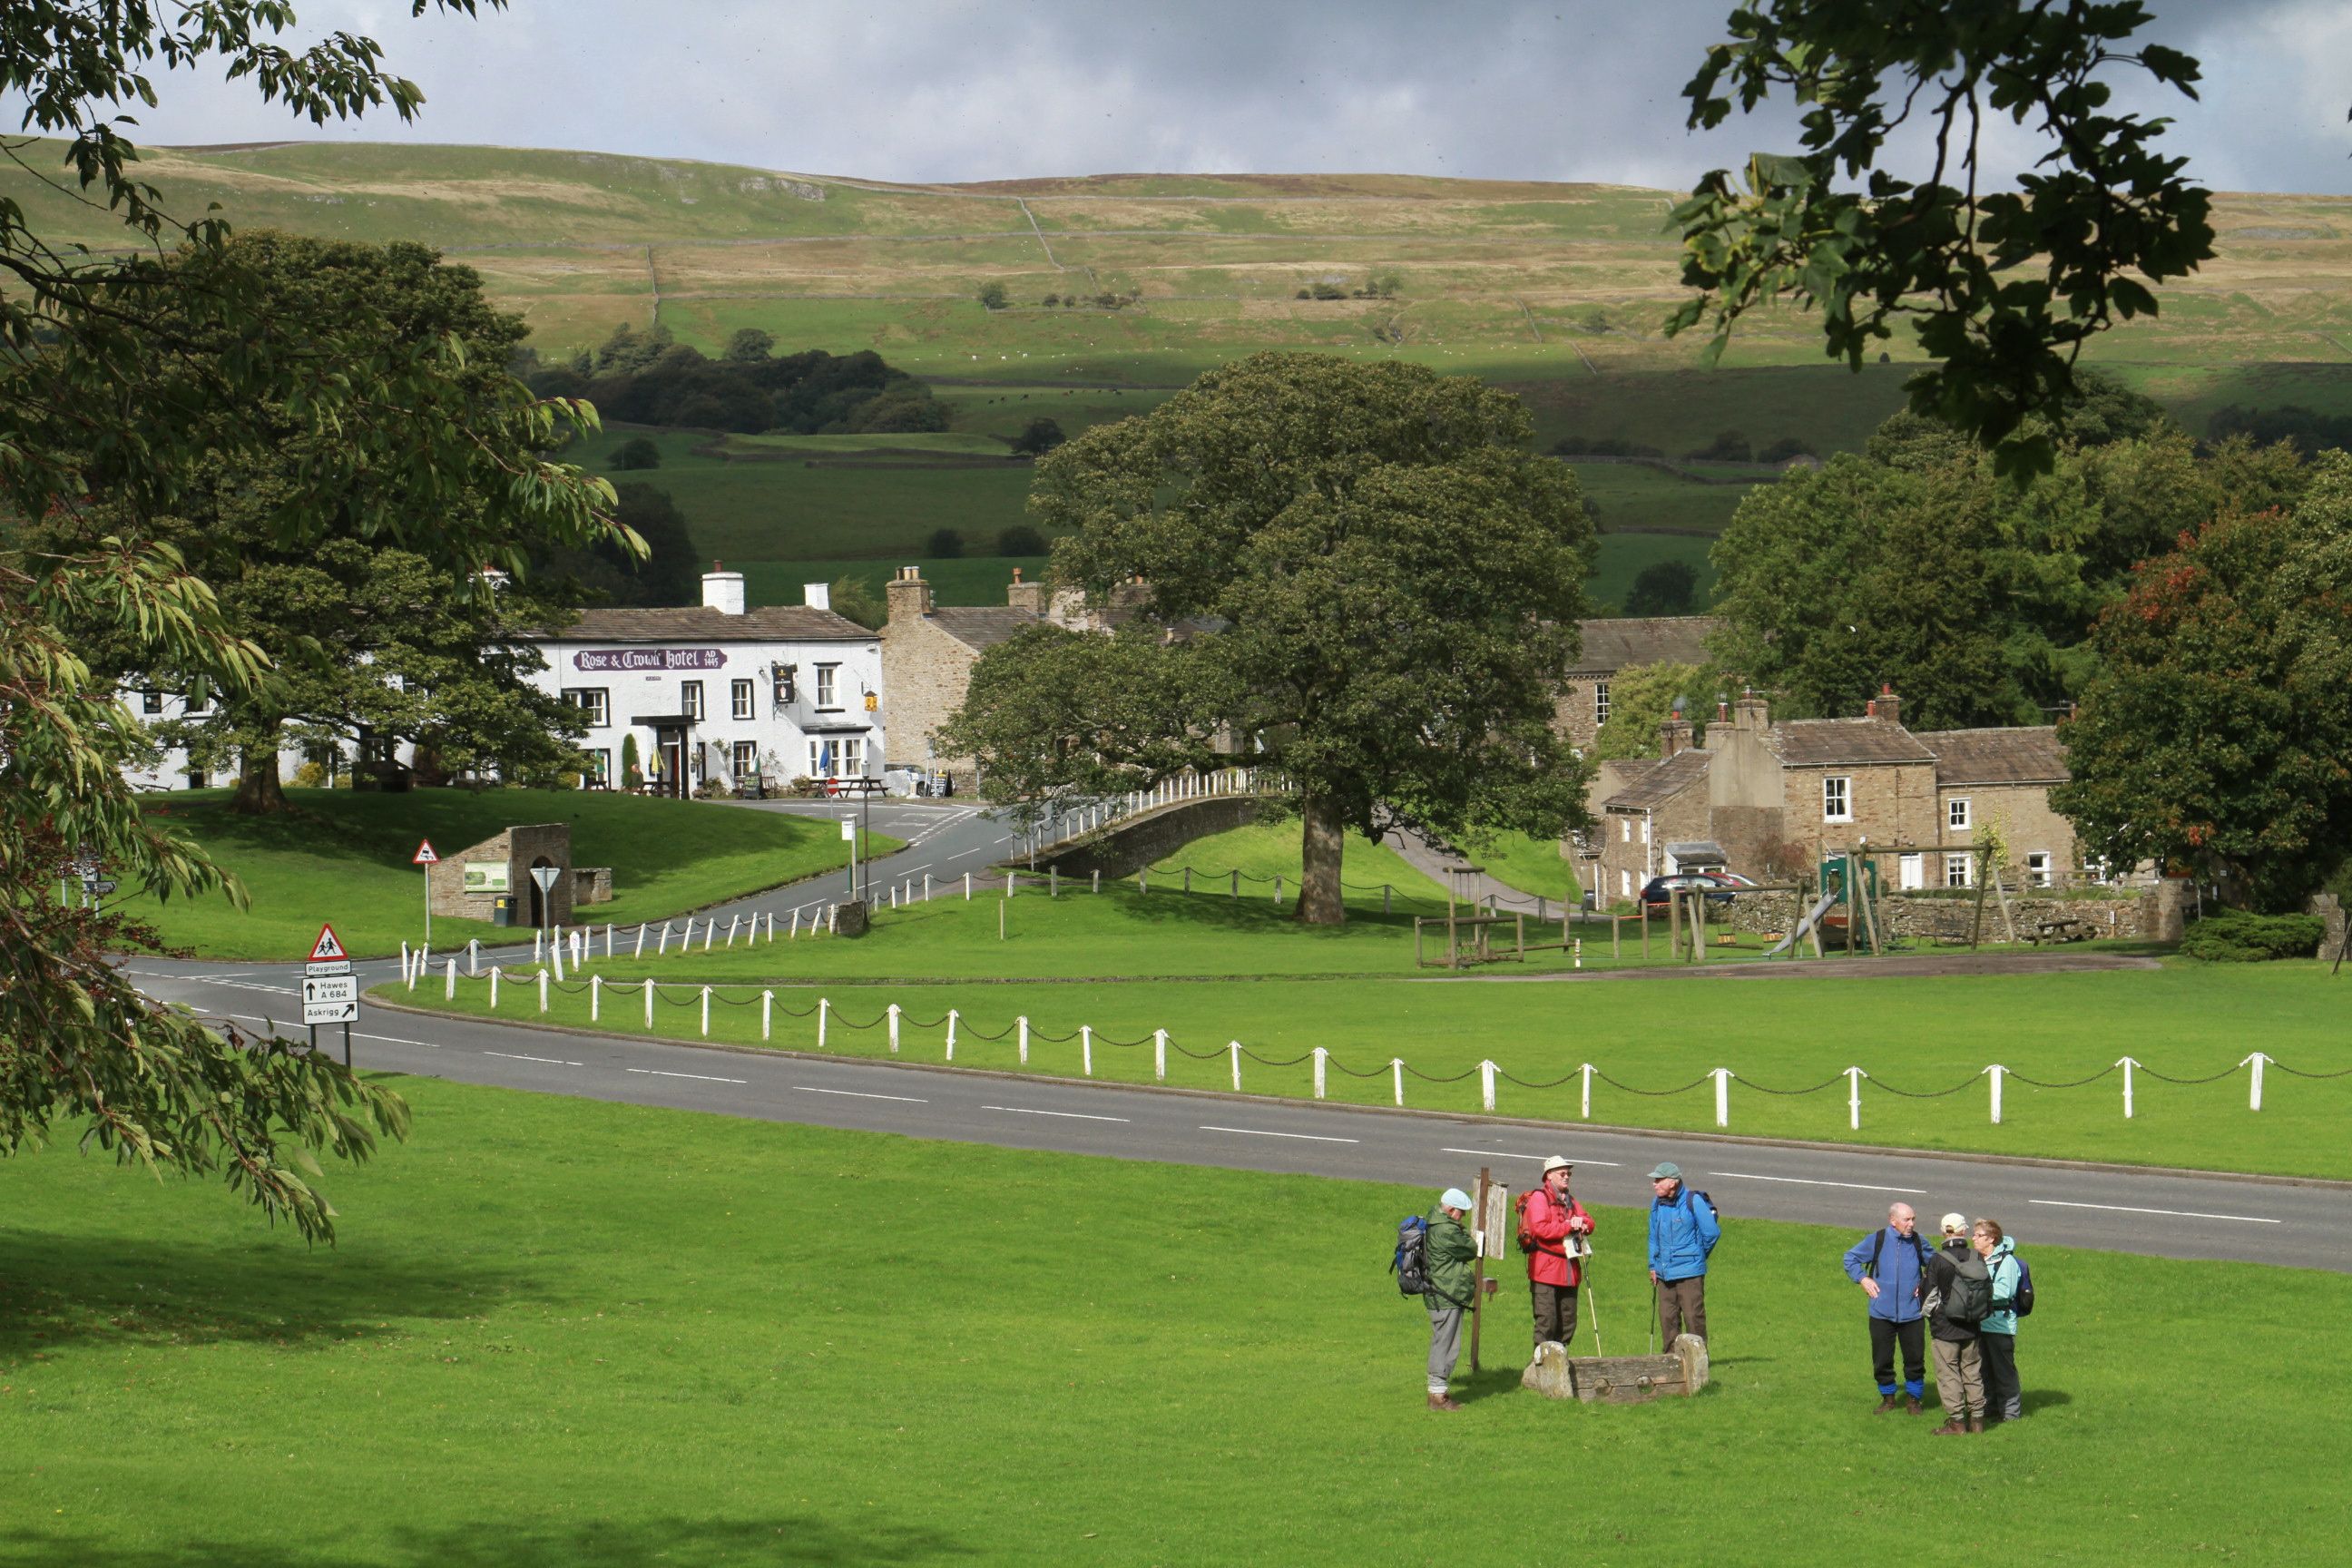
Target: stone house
(1769,800)
(927,652)
(1621,643)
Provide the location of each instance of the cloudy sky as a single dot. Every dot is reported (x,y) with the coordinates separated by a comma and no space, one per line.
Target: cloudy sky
(944,89)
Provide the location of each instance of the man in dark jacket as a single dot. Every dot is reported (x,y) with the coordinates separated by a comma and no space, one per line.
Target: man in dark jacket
(1955,1274)
(1450,1252)
(1891,1266)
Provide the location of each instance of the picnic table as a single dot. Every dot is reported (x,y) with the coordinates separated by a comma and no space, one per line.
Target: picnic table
(2065,928)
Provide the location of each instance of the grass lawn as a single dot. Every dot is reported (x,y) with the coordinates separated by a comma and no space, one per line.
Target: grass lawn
(562,1334)
(1264,850)
(344,857)
(1530,865)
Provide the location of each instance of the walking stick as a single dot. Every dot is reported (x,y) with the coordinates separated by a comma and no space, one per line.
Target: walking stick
(1592,1303)
(1653,1341)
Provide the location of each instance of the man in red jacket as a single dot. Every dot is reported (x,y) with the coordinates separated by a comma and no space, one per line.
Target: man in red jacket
(1551,1225)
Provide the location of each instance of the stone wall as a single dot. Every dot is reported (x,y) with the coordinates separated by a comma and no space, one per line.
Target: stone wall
(2127,915)
(1128,847)
(519,847)
(592,885)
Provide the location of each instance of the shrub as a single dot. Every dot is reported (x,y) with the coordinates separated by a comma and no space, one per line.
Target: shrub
(945,544)
(1786,447)
(1020,540)
(2235,937)
(311,775)
(1728,447)
(638,452)
(993,296)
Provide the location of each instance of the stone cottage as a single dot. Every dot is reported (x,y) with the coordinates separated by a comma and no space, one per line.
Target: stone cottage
(1623,643)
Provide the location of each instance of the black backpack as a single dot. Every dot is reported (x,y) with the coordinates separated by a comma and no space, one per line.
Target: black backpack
(1919,1250)
(1411,1265)
(1968,1299)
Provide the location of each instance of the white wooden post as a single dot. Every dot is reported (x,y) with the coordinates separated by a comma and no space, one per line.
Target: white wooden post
(608,942)
(705,1011)
(449,991)
(710,929)
(893,1028)
(1396,1073)
(1322,1059)
(403,964)
(1722,1076)
(733,920)
(555,956)
(1159,1056)
(2255,1096)
(1996,1070)
(537,946)
(1009,877)
(473,958)
(2126,1064)
(1487,1085)
(494,987)
(927,886)
(767,1012)
(662,946)
(595,998)
(542,990)
(793,932)
(648,988)
(951,1024)
(823,1011)
(1024,1039)
(1086,1050)
(1277,887)
(1853,1076)
(1234,1051)
(967,886)
(640,950)
(1587,1091)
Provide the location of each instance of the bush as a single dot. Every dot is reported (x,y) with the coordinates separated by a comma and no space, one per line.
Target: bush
(2235,937)
(1040,436)
(1728,447)
(1786,447)
(638,452)
(1020,540)
(993,296)
(311,775)
(945,544)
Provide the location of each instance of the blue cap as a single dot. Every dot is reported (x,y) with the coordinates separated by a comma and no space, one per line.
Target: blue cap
(1453,1198)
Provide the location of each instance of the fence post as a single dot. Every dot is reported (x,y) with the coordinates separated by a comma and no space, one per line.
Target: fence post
(473,958)
(1237,882)
(1053,881)
(951,1024)
(649,1004)
(662,946)
(1024,1039)
(542,990)
(1396,1076)
(1188,879)
(1722,1076)
(595,998)
(2255,1096)
(1996,1070)
(926,890)
(1853,1076)
(1322,1059)
(1159,1056)
(710,929)
(705,1011)
(732,921)
(1587,1091)
(494,987)
(555,956)
(1233,1052)
(1577,953)
(967,886)
(449,991)
(1009,877)
(1487,1085)
(2128,1064)
(893,1028)
(767,1008)
(1086,1050)
(824,1015)
(640,951)
(405,964)
(1277,887)
(1097,878)
(1385,891)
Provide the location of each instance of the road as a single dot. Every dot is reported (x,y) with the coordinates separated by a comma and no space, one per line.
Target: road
(2184,1216)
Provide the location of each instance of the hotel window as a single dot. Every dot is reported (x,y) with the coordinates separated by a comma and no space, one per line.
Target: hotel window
(746,764)
(595,705)
(846,754)
(1956,815)
(1599,703)
(2037,869)
(741,691)
(1837,800)
(826,683)
(689,699)
(1959,871)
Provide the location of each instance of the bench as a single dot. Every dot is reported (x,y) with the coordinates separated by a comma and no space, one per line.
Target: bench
(2066,928)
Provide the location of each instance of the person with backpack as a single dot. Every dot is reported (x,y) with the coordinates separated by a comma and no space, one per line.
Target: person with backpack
(1684,1230)
(2012,1298)
(1959,1299)
(1890,1264)
(1449,1252)
(1551,1223)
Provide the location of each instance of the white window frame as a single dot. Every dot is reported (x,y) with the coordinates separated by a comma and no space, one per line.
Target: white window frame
(742,695)
(736,751)
(689,700)
(1645,827)
(1959,871)
(1599,703)
(1957,816)
(1625,830)
(595,703)
(1910,873)
(1625,884)
(829,688)
(599,769)
(1837,797)
(2041,868)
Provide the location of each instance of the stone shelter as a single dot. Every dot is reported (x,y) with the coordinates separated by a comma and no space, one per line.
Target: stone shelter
(468,884)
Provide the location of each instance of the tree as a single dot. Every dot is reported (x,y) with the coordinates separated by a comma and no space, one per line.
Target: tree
(400,435)
(1357,571)
(637,453)
(993,296)
(1020,540)
(1664,588)
(2214,736)
(944,545)
(749,345)
(1040,436)
(2003,287)
(633,773)
(853,599)
(1641,697)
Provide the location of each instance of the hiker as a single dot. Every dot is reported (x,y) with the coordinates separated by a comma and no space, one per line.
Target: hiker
(1997,1336)
(1959,1299)
(1890,1264)
(1448,1255)
(1549,1217)
(1683,1231)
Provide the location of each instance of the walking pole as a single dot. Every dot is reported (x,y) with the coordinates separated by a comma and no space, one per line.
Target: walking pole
(1652,1340)
(1592,1304)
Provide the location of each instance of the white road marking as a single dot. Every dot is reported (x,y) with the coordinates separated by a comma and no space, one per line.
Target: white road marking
(1262,1132)
(1499,1154)
(853,1094)
(700,1076)
(1810,1182)
(519,1057)
(2169,1214)
(396,1040)
(1072,1115)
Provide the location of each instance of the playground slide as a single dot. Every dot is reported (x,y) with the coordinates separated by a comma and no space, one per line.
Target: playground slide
(1811,920)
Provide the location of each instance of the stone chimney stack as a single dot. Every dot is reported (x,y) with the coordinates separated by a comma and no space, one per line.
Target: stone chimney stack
(722,590)
(1890,706)
(1751,712)
(909,596)
(1675,735)
(1024,595)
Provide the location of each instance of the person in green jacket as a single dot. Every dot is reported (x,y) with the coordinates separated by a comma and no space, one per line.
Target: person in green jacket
(1997,1335)
(1450,1253)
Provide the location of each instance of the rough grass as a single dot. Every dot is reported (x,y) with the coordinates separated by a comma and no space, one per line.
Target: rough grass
(343,856)
(559,1333)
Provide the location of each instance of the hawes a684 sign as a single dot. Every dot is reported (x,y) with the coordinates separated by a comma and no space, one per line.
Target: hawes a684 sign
(635,659)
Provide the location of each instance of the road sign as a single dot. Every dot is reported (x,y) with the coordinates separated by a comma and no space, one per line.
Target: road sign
(327,947)
(424,856)
(330,999)
(326,967)
(545,876)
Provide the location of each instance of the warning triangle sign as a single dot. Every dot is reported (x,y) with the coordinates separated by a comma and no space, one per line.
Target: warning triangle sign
(327,947)
(424,856)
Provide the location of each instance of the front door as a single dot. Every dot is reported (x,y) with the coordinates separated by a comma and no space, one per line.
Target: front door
(1911,872)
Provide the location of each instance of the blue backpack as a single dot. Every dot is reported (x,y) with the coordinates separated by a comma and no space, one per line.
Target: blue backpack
(2022,1303)
(1411,1264)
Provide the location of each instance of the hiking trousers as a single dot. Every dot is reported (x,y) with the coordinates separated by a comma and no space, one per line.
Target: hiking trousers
(2004,1395)
(1959,1377)
(1444,1341)
(1555,1310)
(1884,1336)
(1681,1309)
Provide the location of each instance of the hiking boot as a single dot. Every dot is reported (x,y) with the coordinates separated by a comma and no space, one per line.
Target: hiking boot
(1443,1402)
(1912,1406)
(1953,1427)
(1976,1422)
(1886,1403)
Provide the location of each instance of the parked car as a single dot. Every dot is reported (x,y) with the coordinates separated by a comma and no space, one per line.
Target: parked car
(1657,892)
(1730,878)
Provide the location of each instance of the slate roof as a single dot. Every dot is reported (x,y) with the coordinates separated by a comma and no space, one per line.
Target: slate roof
(770,623)
(1660,782)
(1827,742)
(1621,642)
(981,627)
(2023,755)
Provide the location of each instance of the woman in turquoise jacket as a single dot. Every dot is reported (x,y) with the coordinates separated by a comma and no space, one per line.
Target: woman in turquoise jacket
(1997,1335)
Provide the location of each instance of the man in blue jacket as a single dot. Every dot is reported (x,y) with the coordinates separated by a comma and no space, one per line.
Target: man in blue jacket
(1891,1266)
(1683,1231)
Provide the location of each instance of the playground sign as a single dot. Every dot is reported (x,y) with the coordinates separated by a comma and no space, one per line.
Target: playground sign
(327,950)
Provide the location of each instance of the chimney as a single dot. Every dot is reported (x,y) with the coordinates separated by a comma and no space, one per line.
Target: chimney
(1675,735)
(722,590)
(1752,712)
(1890,706)
(817,595)
(909,596)
(1025,596)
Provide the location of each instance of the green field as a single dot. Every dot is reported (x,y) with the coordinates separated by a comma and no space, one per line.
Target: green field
(848,1349)
(343,856)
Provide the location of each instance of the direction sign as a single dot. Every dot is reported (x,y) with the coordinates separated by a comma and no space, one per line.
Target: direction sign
(328,966)
(330,999)
(327,946)
(424,856)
